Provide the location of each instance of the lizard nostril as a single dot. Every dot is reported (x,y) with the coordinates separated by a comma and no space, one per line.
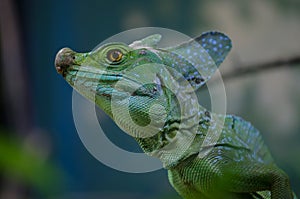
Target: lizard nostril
(64,58)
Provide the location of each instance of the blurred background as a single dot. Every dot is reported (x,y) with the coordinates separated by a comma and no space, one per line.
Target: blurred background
(41,155)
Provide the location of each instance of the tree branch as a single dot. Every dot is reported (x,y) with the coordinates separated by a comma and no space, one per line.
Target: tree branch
(256,68)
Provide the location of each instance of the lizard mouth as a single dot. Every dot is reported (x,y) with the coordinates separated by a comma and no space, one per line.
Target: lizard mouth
(93,81)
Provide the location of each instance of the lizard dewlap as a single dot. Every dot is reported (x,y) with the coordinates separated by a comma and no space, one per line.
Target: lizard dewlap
(151,94)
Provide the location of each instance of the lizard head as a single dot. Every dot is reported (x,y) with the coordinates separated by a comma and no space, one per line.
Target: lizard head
(140,85)
(117,75)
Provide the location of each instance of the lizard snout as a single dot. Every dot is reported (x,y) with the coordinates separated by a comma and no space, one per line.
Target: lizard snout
(64,58)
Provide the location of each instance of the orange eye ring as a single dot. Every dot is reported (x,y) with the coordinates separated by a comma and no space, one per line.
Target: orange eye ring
(114,55)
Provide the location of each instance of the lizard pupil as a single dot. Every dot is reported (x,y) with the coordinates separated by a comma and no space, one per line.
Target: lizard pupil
(114,55)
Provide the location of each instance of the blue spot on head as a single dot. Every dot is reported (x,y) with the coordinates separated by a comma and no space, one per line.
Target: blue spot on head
(214,42)
(221,37)
(188,51)
(203,40)
(220,45)
(215,49)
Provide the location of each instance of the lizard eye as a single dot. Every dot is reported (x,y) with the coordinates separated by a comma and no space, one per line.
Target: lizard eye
(114,55)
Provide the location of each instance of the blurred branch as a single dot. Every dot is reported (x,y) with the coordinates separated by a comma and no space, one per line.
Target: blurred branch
(22,171)
(14,87)
(260,67)
(16,90)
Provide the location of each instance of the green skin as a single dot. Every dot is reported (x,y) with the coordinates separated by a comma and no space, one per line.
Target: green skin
(239,165)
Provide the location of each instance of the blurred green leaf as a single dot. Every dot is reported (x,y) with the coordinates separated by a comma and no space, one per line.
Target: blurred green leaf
(22,164)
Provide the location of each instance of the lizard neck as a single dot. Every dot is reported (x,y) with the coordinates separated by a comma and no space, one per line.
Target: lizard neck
(179,139)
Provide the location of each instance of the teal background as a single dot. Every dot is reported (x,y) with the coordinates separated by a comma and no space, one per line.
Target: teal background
(39,126)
